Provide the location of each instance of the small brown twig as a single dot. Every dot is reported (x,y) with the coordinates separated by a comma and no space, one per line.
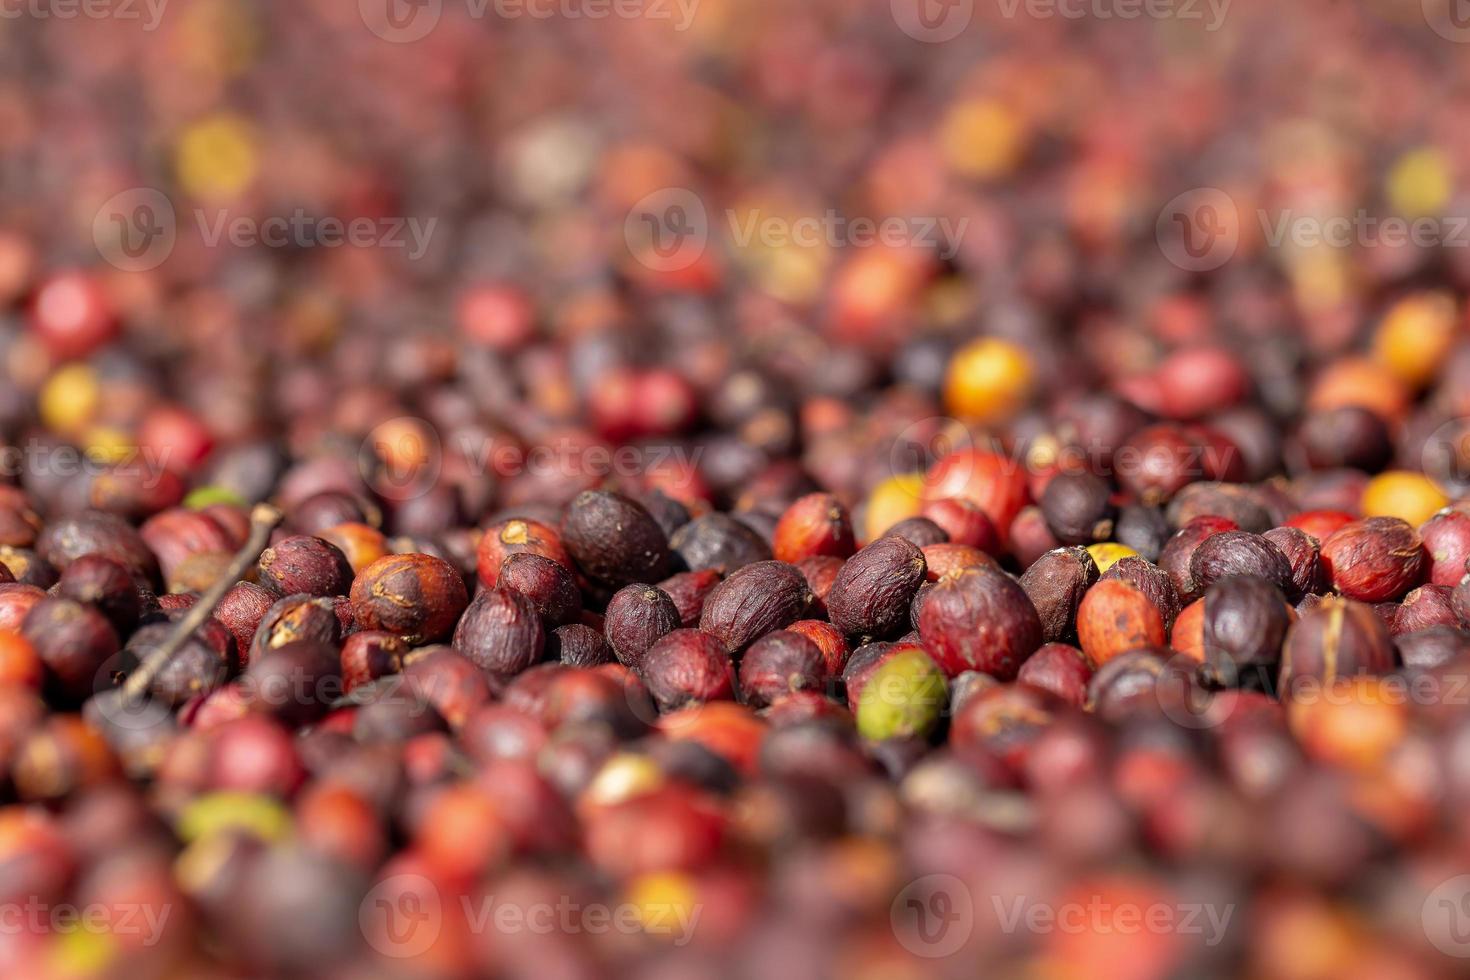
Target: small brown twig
(263,520)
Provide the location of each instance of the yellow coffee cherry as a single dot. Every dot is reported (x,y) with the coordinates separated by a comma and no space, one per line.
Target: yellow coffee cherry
(69,399)
(982,139)
(1415,336)
(216,157)
(1108,552)
(1410,496)
(1419,183)
(667,904)
(989,380)
(895,499)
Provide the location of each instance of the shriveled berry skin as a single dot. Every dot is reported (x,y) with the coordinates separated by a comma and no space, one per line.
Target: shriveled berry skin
(1055,584)
(302,563)
(1061,669)
(1239,553)
(514,537)
(1115,617)
(1078,508)
(1339,638)
(242,609)
(1304,554)
(689,590)
(1374,560)
(1152,581)
(1178,553)
(1446,538)
(718,542)
(870,596)
(578,645)
(1425,607)
(637,616)
(548,584)
(418,597)
(753,601)
(73,641)
(501,632)
(780,663)
(1245,624)
(979,619)
(613,540)
(816,524)
(688,667)
(293,619)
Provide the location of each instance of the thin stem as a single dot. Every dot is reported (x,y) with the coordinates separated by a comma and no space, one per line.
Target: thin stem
(263,520)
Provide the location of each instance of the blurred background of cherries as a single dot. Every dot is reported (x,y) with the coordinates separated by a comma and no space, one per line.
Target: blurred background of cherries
(493,377)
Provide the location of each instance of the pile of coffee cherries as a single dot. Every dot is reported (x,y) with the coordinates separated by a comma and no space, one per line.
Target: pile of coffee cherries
(497,595)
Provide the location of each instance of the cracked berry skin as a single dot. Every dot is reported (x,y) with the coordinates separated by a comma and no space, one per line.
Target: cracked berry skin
(418,597)
(754,601)
(870,596)
(979,619)
(614,540)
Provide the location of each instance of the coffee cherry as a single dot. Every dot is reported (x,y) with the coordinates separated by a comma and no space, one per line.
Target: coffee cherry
(417,597)
(1374,560)
(871,594)
(980,620)
(1114,617)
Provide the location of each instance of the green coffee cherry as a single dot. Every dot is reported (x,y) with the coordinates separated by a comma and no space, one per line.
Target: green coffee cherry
(905,697)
